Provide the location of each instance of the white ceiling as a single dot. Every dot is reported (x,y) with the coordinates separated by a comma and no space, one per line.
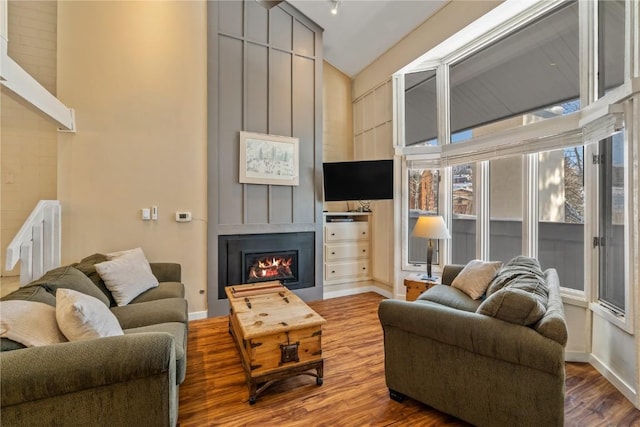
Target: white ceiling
(364,29)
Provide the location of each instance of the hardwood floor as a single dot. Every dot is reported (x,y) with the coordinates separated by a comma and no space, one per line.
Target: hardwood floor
(214,392)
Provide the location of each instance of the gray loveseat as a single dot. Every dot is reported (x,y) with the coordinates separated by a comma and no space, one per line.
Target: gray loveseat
(131,379)
(486,371)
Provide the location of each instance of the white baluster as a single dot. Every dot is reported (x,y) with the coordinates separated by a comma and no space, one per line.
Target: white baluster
(37,253)
(26,267)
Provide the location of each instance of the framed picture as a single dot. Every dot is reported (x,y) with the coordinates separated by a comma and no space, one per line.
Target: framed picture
(268,159)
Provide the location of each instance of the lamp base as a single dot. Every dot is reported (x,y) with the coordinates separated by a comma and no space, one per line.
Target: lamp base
(428,278)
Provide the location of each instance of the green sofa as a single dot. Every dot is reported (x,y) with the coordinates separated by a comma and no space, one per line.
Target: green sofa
(483,370)
(131,379)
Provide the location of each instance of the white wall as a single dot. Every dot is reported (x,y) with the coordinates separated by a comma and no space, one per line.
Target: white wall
(373,140)
(135,73)
(28,140)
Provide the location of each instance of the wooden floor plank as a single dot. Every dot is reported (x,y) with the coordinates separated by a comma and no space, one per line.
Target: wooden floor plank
(354,393)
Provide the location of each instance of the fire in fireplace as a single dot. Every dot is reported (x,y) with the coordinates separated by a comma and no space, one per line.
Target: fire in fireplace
(272,266)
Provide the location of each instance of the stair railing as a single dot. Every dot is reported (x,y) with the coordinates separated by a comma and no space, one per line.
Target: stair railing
(37,245)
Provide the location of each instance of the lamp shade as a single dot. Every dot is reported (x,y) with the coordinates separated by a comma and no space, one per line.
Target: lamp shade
(431,227)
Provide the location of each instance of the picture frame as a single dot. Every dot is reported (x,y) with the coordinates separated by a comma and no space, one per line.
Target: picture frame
(268,159)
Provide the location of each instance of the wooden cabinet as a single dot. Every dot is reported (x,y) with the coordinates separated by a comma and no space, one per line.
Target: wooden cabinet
(346,247)
(416,286)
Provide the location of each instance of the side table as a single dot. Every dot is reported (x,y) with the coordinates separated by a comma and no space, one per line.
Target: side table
(416,285)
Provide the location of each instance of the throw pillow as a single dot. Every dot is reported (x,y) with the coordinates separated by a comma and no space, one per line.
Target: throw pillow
(118,254)
(30,323)
(70,278)
(127,275)
(513,305)
(82,317)
(475,277)
(517,268)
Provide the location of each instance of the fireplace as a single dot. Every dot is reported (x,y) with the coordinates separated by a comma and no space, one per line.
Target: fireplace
(249,258)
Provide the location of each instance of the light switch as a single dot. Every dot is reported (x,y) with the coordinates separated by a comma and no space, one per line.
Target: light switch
(146,214)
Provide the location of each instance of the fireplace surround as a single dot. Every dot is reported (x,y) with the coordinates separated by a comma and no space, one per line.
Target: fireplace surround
(288,257)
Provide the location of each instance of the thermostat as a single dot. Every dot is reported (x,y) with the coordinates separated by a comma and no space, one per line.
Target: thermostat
(183,216)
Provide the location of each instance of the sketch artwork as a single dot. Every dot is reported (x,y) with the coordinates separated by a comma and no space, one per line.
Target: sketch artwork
(268,159)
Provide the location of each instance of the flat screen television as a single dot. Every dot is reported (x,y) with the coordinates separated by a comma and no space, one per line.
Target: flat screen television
(360,180)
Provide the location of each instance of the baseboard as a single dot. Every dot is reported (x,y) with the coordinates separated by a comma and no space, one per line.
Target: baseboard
(197,315)
(356,291)
(576,356)
(614,379)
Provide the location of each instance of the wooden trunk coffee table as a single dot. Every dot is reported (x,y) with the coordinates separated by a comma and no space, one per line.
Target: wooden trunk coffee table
(277,334)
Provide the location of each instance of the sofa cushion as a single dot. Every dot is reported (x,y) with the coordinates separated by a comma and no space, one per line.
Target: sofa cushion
(82,317)
(152,312)
(176,329)
(475,277)
(88,266)
(162,291)
(127,275)
(29,323)
(451,297)
(69,278)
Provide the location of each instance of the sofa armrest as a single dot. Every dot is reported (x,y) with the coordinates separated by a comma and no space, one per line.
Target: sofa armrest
(44,372)
(166,271)
(449,272)
(473,332)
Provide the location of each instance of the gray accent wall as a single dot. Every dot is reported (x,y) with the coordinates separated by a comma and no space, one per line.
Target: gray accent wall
(265,76)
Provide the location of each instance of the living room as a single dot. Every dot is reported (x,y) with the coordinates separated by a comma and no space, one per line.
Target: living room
(145,126)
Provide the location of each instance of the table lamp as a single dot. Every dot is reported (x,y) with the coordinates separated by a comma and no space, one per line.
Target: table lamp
(430,227)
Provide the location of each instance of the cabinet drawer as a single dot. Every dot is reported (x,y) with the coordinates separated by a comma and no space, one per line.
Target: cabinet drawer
(346,231)
(346,250)
(346,269)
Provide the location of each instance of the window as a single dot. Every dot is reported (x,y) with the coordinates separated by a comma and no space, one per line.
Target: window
(612,31)
(420,109)
(463,206)
(561,214)
(611,285)
(505,205)
(423,200)
(515,91)
(529,71)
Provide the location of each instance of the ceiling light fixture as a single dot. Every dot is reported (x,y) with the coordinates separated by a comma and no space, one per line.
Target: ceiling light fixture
(334,8)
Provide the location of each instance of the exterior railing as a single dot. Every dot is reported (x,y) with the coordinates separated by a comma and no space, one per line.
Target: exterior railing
(37,245)
(560,245)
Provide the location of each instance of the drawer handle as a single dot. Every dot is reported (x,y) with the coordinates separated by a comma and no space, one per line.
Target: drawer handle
(333,253)
(364,250)
(364,232)
(333,271)
(333,234)
(364,268)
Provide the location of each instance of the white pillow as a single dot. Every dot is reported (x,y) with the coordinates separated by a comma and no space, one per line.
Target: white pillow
(81,316)
(475,277)
(30,323)
(118,254)
(127,275)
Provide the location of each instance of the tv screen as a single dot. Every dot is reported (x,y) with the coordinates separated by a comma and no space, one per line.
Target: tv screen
(361,180)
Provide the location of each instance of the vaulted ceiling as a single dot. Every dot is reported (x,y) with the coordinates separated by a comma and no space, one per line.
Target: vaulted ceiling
(362,30)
